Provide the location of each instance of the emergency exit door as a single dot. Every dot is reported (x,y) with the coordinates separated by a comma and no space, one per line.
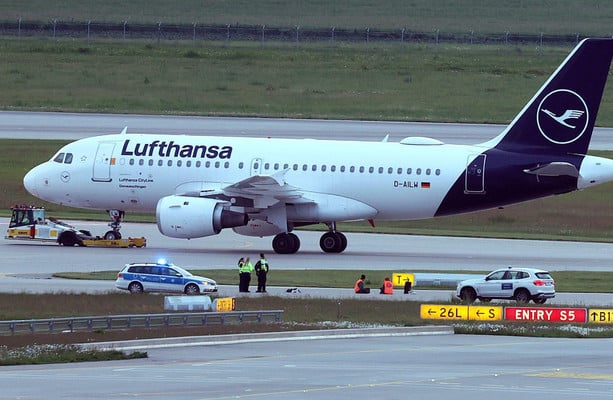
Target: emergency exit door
(475,175)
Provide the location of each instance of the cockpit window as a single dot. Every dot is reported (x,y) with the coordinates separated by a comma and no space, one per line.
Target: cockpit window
(65,158)
(59,158)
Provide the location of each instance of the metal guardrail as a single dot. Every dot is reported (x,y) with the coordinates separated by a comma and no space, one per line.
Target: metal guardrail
(58,325)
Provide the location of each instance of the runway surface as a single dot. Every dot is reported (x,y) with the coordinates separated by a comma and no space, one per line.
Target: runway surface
(444,367)
(37,125)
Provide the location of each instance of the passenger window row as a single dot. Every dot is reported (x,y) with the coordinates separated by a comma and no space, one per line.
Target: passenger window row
(295,167)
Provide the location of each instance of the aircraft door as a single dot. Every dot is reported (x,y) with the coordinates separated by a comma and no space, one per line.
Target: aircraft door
(256,166)
(475,175)
(103,161)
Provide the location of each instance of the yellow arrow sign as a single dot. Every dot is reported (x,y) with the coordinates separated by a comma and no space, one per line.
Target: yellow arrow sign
(447,312)
(399,279)
(484,313)
(599,316)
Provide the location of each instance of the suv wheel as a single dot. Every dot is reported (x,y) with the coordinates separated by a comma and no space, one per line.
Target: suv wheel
(522,296)
(468,295)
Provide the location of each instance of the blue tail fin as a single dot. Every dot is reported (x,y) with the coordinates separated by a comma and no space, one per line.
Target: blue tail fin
(561,116)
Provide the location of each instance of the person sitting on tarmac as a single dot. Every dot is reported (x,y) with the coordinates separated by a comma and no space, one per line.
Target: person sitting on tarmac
(359,285)
(388,286)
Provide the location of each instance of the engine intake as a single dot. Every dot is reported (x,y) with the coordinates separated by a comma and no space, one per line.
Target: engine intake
(192,217)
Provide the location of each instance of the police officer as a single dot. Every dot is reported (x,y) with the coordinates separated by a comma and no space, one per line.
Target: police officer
(261,270)
(245,270)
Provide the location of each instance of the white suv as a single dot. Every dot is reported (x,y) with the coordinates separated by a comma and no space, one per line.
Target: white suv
(162,277)
(519,284)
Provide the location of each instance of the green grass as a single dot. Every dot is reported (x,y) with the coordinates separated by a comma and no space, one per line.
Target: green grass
(566,281)
(56,354)
(387,82)
(564,16)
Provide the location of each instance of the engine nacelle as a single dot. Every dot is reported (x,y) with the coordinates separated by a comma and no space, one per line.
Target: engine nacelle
(192,217)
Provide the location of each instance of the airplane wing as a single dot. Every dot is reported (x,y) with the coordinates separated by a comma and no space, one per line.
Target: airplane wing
(258,191)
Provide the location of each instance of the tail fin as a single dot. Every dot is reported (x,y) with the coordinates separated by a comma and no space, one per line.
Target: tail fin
(561,116)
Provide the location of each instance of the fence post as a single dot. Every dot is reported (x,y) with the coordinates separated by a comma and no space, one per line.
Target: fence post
(402,36)
(228,33)
(54,24)
(437,36)
(367,35)
(263,26)
(89,23)
(194,34)
(159,31)
(297,35)
(506,38)
(472,34)
(19,27)
(541,39)
(124,29)
(333,34)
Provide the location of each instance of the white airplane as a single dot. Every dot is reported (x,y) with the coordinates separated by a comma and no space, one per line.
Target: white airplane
(198,185)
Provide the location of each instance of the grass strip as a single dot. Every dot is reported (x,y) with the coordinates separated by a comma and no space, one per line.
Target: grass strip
(566,281)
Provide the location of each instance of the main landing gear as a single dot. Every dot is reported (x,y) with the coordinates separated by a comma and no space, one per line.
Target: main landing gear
(286,243)
(115,224)
(332,241)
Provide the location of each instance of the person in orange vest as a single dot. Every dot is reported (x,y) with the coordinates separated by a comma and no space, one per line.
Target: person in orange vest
(359,285)
(388,286)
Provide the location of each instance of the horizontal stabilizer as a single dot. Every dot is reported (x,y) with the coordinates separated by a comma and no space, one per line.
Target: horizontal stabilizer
(554,169)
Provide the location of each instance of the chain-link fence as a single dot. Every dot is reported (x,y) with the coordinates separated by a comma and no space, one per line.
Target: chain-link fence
(91,30)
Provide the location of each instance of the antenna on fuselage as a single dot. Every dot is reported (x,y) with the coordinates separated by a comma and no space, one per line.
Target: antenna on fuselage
(124,131)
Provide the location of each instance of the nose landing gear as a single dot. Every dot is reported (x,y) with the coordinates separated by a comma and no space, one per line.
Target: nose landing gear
(115,224)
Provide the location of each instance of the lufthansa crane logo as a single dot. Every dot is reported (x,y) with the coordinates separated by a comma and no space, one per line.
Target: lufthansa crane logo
(562,116)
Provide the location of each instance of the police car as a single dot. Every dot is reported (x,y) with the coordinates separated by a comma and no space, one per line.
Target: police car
(162,277)
(519,284)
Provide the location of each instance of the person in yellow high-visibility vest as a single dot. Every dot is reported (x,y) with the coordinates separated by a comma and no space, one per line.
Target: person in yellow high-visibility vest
(245,271)
(261,270)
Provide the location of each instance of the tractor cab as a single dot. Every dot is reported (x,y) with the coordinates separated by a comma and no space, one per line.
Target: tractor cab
(26,216)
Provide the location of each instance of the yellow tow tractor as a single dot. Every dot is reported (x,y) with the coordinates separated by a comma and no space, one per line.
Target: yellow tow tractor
(29,223)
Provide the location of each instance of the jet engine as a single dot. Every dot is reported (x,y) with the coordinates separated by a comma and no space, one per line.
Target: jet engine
(192,217)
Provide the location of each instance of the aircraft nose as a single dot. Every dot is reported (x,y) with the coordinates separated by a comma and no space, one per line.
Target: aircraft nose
(31,181)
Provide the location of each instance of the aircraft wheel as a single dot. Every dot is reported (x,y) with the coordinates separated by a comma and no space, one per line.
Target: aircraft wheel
(112,235)
(343,242)
(333,242)
(286,243)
